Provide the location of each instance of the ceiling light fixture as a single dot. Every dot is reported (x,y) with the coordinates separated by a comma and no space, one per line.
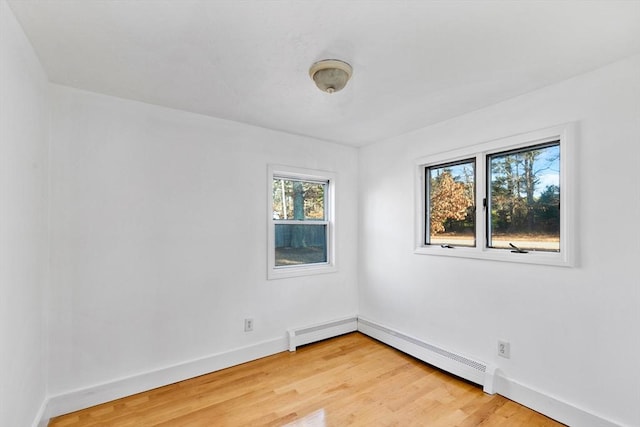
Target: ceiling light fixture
(330,75)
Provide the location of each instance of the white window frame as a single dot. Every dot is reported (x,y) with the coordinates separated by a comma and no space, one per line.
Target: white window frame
(565,257)
(296,173)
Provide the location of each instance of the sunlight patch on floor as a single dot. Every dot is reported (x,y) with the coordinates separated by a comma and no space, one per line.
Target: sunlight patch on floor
(314,419)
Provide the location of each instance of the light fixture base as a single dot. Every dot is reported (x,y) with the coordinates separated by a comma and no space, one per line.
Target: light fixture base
(330,75)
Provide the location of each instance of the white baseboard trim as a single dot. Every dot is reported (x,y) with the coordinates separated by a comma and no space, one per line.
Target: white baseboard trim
(39,420)
(321,331)
(550,406)
(101,393)
(491,378)
(462,366)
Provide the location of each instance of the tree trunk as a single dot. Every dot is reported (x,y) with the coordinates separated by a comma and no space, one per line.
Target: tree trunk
(530,186)
(297,232)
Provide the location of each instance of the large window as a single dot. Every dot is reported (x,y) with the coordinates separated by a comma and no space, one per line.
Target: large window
(509,199)
(301,222)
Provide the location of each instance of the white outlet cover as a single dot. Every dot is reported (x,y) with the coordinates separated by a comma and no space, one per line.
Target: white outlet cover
(504,349)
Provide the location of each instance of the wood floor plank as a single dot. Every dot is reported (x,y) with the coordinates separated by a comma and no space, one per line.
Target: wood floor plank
(350,380)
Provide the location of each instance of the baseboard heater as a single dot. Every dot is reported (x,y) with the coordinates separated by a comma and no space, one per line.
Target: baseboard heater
(467,368)
(321,331)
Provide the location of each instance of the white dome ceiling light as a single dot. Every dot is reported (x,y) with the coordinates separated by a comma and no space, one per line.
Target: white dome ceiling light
(330,75)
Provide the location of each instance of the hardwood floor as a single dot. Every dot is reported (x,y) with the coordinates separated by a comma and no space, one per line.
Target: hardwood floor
(350,380)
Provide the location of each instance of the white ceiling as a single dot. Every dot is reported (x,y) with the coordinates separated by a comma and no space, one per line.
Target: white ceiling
(415,62)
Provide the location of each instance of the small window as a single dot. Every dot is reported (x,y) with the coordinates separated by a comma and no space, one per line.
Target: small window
(509,199)
(451,207)
(301,222)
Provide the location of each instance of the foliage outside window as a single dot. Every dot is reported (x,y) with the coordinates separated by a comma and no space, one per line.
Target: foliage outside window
(300,232)
(509,199)
(524,201)
(451,204)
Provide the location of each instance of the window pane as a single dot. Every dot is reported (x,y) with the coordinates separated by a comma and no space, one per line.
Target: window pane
(300,244)
(524,202)
(298,200)
(451,204)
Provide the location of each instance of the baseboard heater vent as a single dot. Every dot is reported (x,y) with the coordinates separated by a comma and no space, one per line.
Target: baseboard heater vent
(462,366)
(321,331)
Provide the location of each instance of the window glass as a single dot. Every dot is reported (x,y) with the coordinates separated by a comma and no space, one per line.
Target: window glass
(300,222)
(298,200)
(298,244)
(451,204)
(524,198)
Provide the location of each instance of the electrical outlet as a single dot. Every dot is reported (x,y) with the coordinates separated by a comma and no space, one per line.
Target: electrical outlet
(504,349)
(248,325)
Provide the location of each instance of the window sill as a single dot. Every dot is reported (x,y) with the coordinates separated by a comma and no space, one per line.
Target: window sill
(505,255)
(298,271)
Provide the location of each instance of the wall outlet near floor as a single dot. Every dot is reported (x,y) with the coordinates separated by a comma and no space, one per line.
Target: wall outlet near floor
(504,349)
(248,325)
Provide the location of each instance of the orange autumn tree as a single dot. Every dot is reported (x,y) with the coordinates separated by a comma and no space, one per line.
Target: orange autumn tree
(449,201)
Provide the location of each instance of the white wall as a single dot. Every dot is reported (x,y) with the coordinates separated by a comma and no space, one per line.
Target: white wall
(574,332)
(159,241)
(23,225)
(159,238)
